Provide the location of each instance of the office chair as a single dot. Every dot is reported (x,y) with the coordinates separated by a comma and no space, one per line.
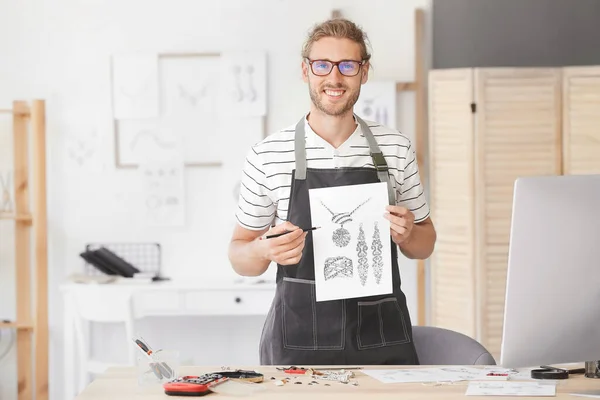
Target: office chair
(439,346)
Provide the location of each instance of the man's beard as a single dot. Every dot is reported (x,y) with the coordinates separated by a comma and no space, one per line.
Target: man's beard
(338,109)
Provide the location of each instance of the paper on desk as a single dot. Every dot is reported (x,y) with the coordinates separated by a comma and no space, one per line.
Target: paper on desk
(591,395)
(447,374)
(508,388)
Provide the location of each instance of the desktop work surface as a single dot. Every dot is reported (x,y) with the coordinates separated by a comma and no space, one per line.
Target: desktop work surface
(121,383)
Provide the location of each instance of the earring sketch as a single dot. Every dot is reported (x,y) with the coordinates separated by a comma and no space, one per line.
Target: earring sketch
(252,95)
(338,267)
(377,260)
(239,93)
(341,237)
(363,263)
(6,201)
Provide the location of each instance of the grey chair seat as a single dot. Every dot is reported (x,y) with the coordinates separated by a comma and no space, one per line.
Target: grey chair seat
(439,346)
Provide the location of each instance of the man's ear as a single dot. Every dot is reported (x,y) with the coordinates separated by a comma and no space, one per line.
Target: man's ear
(365,73)
(304,71)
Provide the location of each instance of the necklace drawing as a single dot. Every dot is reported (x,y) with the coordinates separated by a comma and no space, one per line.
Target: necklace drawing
(377,259)
(361,249)
(341,237)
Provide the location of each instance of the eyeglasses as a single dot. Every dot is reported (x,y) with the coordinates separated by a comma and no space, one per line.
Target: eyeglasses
(324,67)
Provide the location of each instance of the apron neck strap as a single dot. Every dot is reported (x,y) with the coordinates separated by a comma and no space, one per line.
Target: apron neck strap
(375,152)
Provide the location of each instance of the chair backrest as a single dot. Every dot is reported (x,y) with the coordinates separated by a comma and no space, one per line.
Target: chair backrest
(439,346)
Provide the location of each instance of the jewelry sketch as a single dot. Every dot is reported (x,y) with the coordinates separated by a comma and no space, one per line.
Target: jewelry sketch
(244,84)
(164,191)
(363,263)
(347,216)
(7,205)
(341,237)
(135,86)
(192,97)
(377,259)
(377,102)
(338,266)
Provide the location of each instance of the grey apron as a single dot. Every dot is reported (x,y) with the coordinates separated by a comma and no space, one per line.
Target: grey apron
(359,331)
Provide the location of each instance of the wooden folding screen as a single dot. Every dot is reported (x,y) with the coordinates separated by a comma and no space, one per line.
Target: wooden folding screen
(488,126)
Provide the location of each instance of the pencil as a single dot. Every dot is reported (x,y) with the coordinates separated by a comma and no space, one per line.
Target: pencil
(284,233)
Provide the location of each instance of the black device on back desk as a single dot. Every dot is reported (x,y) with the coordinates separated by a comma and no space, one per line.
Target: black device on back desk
(109,263)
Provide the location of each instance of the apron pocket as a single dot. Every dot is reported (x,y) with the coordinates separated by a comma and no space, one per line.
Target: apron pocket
(381,323)
(308,325)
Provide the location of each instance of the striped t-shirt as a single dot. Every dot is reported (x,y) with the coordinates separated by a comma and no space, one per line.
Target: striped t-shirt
(267,173)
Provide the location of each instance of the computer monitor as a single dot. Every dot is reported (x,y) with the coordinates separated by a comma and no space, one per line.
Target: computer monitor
(552,306)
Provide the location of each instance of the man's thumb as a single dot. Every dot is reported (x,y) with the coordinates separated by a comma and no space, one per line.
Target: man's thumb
(284,227)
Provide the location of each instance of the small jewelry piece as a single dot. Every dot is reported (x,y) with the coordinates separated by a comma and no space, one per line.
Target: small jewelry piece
(377,260)
(338,266)
(341,237)
(363,263)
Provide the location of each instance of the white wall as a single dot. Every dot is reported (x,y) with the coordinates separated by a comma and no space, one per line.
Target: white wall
(59,50)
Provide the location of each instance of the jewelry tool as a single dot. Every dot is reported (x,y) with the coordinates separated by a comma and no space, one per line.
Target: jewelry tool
(160,369)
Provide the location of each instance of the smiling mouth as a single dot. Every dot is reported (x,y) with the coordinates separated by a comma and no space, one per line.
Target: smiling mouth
(334,92)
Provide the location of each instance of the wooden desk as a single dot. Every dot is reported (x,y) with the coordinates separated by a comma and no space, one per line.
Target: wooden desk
(121,384)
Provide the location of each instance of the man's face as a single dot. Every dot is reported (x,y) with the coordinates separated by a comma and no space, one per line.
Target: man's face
(334,94)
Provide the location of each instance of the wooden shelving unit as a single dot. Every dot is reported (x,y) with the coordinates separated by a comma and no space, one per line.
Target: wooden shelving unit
(30,223)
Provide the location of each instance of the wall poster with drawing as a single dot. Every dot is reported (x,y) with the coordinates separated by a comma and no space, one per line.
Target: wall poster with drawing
(352,253)
(184,97)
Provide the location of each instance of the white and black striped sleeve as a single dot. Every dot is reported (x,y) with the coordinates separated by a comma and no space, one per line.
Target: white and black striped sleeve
(410,193)
(256,206)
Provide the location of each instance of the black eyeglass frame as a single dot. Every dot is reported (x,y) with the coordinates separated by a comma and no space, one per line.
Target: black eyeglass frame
(336,64)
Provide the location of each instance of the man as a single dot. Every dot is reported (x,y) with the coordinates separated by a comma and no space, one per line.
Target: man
(329,146)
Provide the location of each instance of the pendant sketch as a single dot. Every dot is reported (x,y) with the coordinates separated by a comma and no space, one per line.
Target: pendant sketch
(338,267)
(377,258)
(244,89)
(135,86)
(6,204)
(192,96)
(351,241)
(341,237)
(363,262)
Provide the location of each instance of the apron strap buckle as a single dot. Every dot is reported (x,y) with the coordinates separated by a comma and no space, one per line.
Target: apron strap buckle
(379,161)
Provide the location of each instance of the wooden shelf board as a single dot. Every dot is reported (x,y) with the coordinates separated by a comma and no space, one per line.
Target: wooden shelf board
(16,325)
(406,86)
(16,217)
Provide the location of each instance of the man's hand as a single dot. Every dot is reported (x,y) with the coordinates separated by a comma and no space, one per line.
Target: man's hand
(402,222)
(285,249)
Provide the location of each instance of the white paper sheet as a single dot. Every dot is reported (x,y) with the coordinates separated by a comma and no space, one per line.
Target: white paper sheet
(594,395)
(352,253)
(508,388)
(244,84)
(163,189)
(421,375)
(377,102)
(190,85)
(135,86)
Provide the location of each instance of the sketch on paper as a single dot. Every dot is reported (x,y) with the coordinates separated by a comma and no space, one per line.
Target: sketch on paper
(244,84)
(189,86)
(338,267)
(163,191)
(6,205)
(135,86)
(377,102)
(352,221)
(363,262)
(376,247)
(341,237)
(199,138)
